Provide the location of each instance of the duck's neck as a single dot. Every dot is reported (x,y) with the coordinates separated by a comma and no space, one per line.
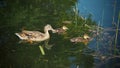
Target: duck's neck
(46,32)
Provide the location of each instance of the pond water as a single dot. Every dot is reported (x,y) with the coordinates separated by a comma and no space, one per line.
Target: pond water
(22,14)
(105,12)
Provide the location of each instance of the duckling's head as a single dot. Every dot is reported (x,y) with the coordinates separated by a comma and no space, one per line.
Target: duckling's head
(86,36)
(64,28)
(49,27)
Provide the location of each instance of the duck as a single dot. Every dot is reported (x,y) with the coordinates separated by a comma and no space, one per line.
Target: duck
(76,39)
(85,39)
(61,30)
(37,36)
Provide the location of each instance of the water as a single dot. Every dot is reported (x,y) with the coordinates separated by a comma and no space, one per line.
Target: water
(34,15)
(103,12)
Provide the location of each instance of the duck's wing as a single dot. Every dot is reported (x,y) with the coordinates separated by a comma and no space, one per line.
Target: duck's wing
(33,33)
(26,31)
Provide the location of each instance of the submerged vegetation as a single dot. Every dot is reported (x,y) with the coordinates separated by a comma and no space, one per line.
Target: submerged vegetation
(34,15)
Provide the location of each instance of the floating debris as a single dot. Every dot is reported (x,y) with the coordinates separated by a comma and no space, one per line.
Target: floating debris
(42,50)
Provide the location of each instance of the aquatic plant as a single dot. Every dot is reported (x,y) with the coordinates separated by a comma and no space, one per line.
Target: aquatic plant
(42,50)
(116,36)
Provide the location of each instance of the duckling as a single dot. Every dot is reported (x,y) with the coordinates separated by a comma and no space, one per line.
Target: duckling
(61,30)
(85,39)
(76,39)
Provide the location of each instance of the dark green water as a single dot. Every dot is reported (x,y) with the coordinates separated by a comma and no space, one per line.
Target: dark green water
(63,54)
(34,15)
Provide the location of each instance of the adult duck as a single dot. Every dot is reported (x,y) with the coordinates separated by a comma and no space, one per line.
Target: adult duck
(36,35)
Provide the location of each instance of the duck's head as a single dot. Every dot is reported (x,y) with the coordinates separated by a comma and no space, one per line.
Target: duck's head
(49,27)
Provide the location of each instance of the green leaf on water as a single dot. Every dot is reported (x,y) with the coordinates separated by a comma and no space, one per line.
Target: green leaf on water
(42,50)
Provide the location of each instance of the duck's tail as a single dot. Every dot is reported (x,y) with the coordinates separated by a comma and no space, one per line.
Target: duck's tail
(22,37)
